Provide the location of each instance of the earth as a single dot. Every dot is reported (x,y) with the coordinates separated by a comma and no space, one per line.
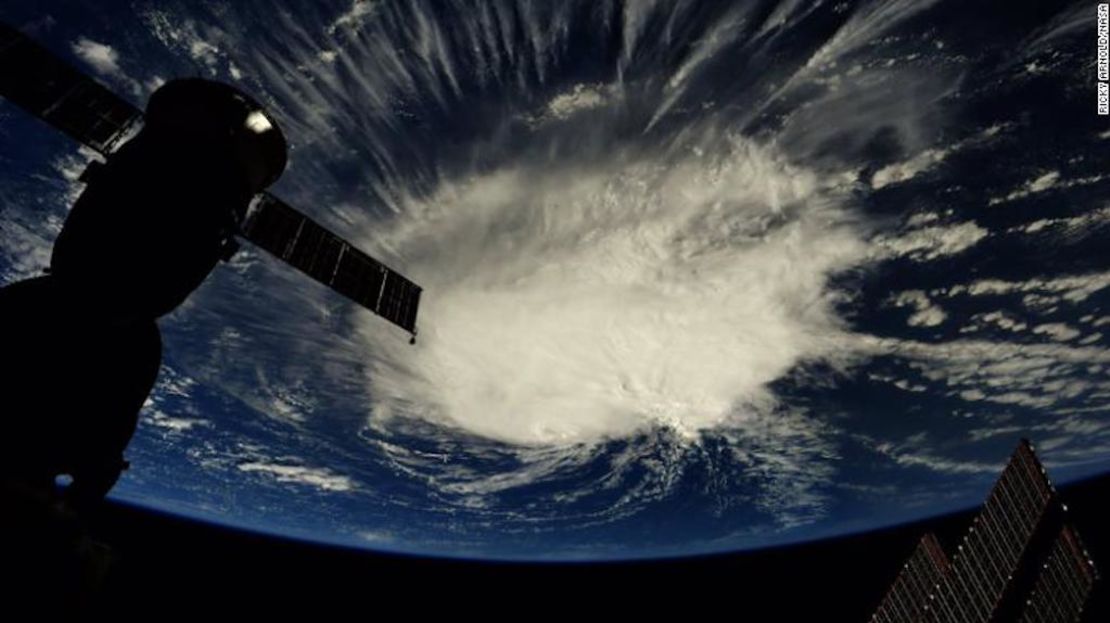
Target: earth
(698,276)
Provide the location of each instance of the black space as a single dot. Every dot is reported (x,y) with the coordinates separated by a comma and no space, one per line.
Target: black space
(165,564)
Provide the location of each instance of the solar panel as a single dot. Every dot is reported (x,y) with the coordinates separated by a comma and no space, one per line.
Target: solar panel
(991,552)
(987,579)
(294,238)
(1064,583)
(45,86)
(908,596)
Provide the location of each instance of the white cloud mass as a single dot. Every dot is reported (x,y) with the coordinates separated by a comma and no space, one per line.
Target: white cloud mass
(101,57)
(578,304)
(581,97)
(104,59)
(360,9)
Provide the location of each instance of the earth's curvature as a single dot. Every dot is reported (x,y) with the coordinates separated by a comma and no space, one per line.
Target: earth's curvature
(699,276)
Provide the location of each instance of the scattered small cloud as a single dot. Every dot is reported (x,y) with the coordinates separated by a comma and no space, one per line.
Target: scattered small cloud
(1074,226)
(1002,320)
(928,159)
(188,38)
(1033,186)
(1057,331)
(581,97)
(378,537)
(910,454)
(318,477)
(930,243)
(1093,338)
(972,394)
(1067,289)
(902,171)
(1047,181)
(926,314)
(103,58)
(1035,375)
(156,417)
(204,52)
(359,11)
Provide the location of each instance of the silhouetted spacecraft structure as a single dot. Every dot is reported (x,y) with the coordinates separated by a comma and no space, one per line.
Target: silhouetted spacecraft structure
(80,346)
(46,86)
(1019,561)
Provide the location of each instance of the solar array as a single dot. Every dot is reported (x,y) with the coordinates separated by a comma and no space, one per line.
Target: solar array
(1064,584)
(998,560)
(991,551)
(906,599)
(52,90)
(299,241)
